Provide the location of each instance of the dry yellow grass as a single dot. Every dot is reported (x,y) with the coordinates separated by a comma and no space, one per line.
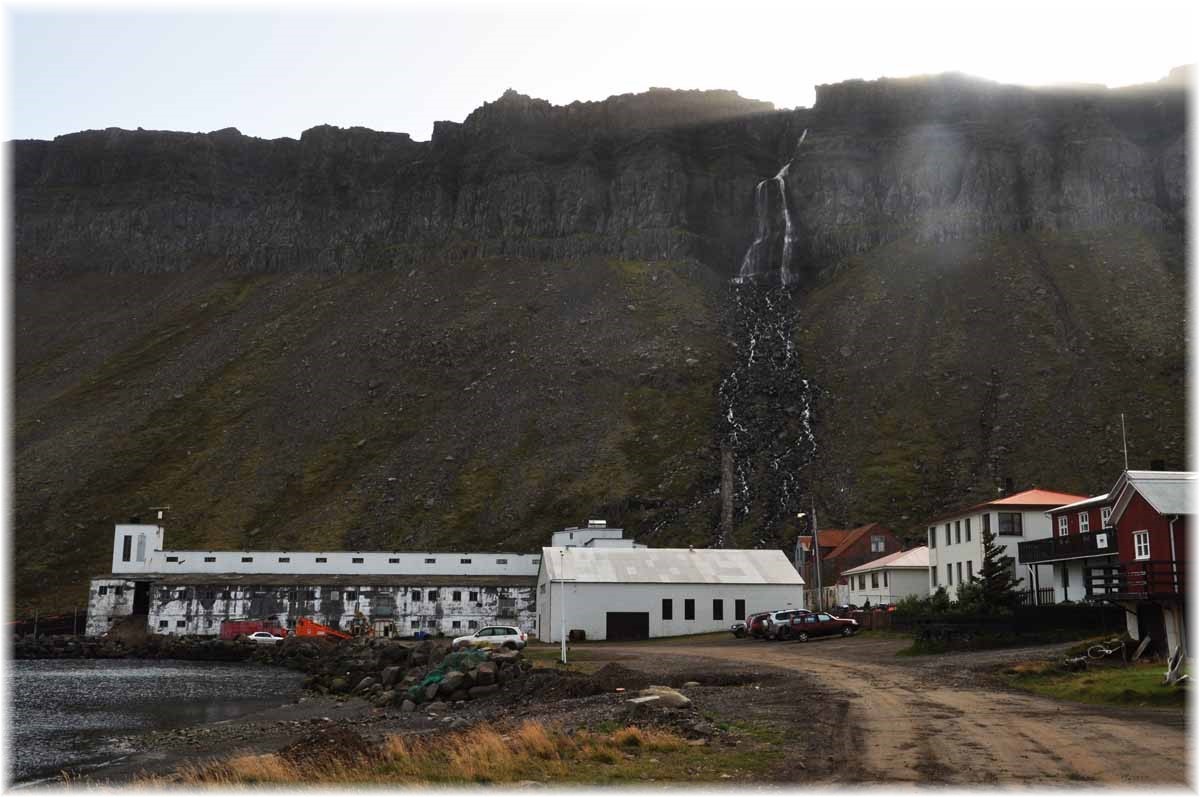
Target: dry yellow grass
(482,754)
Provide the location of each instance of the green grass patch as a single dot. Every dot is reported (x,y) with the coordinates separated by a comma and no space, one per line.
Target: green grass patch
(1107,684)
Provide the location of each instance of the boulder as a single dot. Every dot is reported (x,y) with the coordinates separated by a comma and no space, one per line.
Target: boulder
(431,691)
(364,684)
(407,707)
(386,698)
(459,694)
(389,675)
(437,706)
(483,691)
(666,696)
(339,685)
(485,673)
(452,681)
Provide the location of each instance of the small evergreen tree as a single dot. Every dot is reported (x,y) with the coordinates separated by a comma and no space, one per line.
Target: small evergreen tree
(998,583)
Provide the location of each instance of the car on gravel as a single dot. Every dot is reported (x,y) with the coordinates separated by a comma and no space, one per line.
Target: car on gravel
(804,627)
(777,621)
(755,624)
(265,638)
(492,636)
(738,629)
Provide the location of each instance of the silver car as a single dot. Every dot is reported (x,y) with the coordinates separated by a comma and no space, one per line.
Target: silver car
(493,636)
(777,621)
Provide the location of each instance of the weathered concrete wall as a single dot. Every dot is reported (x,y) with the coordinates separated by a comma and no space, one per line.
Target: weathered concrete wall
(447,609)
(108,600)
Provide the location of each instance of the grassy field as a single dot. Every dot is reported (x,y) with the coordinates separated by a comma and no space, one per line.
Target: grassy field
(532,752)
(1107,684)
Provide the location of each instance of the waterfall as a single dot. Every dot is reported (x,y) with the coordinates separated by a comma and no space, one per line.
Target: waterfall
(752,262)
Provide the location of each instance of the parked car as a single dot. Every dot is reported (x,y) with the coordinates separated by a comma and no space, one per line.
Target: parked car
(803,627)
(776,621)
(500,636)
(755,624)
(265,638)
(738,629)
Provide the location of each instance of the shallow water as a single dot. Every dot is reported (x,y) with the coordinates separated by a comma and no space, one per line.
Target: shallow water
(67,714)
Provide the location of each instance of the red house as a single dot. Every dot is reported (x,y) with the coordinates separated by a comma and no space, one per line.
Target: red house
(1150,514)
(842,550)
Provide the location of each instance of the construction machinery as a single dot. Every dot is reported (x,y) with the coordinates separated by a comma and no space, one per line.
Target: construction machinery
(307,627)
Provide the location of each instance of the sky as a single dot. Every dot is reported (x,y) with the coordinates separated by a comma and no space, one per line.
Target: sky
(272,70)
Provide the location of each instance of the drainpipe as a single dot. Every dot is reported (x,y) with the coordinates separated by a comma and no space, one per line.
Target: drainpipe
(1174,567)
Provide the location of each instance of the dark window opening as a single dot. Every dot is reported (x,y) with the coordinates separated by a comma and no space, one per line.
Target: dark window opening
(321,559)
(501,561)
(162,623)
(433,594)
(247,558)
(1009,523)
(172,558)
(393,561)
(104,590)
(718,609)
(126,548)
(464,561)
(739,608)
(416,596)
(431,561)
(456,624)
(180,623)
(120,591)
(457,595)
(310,595)
(689,608)
(668,612)
(987,522)
(285,558)
(356,560)
(416,624)
(474,596)
(968,524)
(351,596)
(210,558)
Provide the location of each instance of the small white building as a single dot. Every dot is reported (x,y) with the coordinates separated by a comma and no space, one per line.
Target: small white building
(889,579)
(638,593)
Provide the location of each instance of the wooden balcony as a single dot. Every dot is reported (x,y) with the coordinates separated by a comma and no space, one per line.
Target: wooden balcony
(1071,546)
(1144,580)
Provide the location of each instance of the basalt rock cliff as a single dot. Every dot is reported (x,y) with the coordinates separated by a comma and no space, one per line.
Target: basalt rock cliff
(355,339)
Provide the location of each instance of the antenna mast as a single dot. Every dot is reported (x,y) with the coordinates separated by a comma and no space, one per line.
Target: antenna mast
(1124,444)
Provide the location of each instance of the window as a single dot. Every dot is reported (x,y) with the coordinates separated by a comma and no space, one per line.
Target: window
(247,558)
(933,577)
(932,537)
(432,594)
(1084,524)
(172,558)
(957,531)
(126,547)
(456,624)
(536,560)
(970,572)
(351,596)
(416,596)
(310,595)
(967,522)
(285,558)
(464,561)
(103,590)
(1105,515)
(356,560)
(875,580)
(473,596)
(457,595)
(210,558)
(877,543)
(162,623)
(668,612)
(739,608)
(431,561)
(949,574)
(501,561)
(885,580)
(1141,545)
(947,533)
(987,522)
(120,591)
(394,561)
(1066,580)
(958,569)
(862,582)
(472,623)
(416,625)
(1063,525)
(180,623)
(321,559)
(432,624)
(1009,523)
(718,609)
(225,595)
(689,609)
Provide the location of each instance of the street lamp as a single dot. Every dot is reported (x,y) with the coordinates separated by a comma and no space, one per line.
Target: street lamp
(816,550)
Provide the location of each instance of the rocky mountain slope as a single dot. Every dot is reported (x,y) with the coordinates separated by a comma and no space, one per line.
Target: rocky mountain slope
(358,340)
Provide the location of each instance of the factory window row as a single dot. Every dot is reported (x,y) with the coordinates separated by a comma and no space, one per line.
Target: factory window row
(357,560)
(308,594)
(689,608)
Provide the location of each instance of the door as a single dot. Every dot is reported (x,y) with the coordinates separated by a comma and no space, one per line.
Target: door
(141,597)
(1151,623)
(625,626)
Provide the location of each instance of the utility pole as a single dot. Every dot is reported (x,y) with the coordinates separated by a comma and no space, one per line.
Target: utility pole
(1124,443)
(817,554)
(562,592)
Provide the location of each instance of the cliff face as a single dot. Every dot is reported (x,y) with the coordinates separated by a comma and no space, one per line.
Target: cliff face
(359,340)
(661,175)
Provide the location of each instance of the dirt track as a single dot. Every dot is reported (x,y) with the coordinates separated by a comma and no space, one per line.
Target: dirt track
(934,720)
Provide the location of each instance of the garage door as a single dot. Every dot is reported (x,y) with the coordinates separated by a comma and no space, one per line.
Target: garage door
(628,625)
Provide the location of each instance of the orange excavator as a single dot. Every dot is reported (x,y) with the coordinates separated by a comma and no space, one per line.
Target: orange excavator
(307,627)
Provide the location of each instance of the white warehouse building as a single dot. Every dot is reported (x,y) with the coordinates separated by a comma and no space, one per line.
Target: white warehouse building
(639,593)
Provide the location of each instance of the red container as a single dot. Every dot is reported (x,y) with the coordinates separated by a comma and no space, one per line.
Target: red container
(232,629)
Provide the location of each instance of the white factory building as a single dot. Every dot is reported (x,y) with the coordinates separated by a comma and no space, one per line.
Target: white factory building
(638,593)
(398,592)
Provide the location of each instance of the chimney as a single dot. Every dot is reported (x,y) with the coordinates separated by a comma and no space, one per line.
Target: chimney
(1008,486)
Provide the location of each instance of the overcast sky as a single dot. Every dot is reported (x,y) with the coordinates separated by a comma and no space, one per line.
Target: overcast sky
(273,72)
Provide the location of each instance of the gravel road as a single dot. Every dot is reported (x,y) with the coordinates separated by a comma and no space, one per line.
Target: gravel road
(941,719)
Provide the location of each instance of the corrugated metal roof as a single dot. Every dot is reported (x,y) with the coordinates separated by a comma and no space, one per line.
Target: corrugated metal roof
(1170,492)
(670,566)
(1027,499)
(1095,500)
(916,557)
